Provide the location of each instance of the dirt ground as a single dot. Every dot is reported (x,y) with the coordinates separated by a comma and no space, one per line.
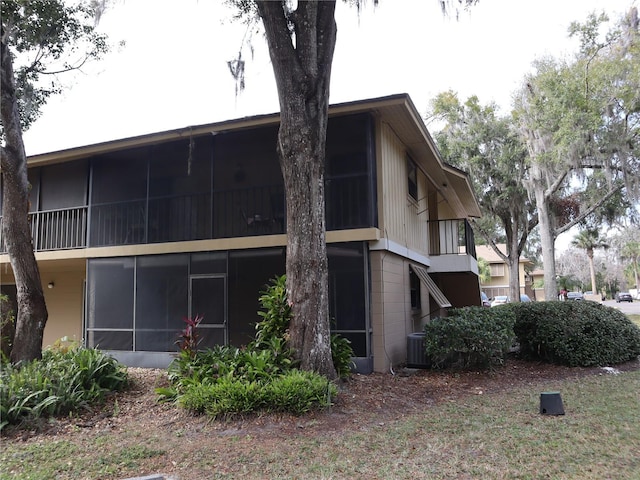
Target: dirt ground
(363,399)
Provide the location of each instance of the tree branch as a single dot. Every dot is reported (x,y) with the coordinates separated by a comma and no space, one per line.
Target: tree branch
(489,239)
(553,188)
(587,212)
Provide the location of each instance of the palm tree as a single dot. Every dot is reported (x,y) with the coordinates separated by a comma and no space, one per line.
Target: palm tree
(484,270)
(590,240)
(631,251)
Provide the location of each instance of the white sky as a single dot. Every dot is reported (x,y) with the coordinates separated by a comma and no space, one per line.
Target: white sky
(172,73)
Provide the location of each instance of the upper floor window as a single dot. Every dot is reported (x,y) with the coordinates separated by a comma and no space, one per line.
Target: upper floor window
(497,269)
(412,178)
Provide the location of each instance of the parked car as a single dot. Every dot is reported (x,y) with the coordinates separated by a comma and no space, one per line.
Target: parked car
(502,299)
(575,296)
(623,297)
(499,300)
(485,300)
(523,298)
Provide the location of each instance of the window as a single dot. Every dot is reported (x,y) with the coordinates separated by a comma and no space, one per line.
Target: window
(497,269)
(161,294)
(414,286)
(110,298)
(348,293)
(412,176)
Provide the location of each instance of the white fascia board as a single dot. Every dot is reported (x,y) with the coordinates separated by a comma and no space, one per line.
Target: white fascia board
(393,247)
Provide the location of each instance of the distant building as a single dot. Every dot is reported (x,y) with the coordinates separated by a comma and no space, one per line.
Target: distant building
(499,282)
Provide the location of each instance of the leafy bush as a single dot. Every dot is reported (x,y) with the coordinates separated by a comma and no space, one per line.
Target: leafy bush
(226,397)
(221,362)
(469,338)
(227,381)
(276,315)
(342,354)
(63,381)
(299,391)
(7,326)
(575,333)
(295,392)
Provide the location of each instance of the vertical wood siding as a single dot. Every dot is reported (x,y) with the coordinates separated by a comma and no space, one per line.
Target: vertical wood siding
(404,220)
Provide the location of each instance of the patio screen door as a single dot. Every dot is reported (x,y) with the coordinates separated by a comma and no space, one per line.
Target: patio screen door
(208,298)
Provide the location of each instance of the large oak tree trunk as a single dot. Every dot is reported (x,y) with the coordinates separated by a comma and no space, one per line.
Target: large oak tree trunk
(513,262)
(32,311)
(302,73)
(547,238)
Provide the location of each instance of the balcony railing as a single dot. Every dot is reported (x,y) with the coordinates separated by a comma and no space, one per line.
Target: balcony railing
(60,229)
(219,214)
(451,237)
(223,214)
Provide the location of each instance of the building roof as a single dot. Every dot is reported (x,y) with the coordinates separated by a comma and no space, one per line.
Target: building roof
(486,252)
(398,111)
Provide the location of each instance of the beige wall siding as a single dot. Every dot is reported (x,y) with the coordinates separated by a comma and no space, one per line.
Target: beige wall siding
(391,315)
(64,303)
(403,220)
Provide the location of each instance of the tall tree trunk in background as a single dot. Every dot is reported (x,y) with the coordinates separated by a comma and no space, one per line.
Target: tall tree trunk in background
(32,311)
(547,238)
(592,271)
(513,257)
(303,71)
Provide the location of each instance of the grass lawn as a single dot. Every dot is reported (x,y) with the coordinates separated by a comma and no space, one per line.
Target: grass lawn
(482,436)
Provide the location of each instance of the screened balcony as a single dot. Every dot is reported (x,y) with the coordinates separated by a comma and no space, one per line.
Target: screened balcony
(222,214)
(451,237)
(214,186)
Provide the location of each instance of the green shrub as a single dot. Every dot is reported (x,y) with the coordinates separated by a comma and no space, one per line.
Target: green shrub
(62,381)
(272,331)
(226,397)
(275,313)
(204,366)
(342,354)
(469,338)
(578,333)
(298,392)
(7,326)
(294,392)
(227,381)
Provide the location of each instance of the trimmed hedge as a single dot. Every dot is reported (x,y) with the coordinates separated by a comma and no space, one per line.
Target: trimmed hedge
(469,338)
(576,333)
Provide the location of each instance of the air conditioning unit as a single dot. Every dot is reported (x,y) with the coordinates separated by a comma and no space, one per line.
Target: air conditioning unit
(416,357)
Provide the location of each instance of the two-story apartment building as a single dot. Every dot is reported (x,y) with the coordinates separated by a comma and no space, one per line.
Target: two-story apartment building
(133,235)
(498,284)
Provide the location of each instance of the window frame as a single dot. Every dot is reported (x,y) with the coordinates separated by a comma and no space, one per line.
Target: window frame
(412,178)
